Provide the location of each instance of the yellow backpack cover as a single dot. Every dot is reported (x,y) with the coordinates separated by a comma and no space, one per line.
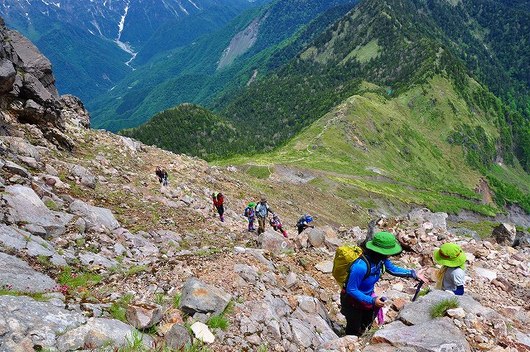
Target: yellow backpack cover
(344,257)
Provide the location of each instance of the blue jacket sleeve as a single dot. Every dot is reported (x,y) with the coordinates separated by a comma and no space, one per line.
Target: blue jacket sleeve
(357,273)
(459,290)
(398,271)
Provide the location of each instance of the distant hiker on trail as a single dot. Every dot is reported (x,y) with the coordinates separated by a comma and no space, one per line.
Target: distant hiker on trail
(250,214)
(359,304)
(262,212)
(303,223)
(276,224)
(451,276)
(218,204)
(162,176)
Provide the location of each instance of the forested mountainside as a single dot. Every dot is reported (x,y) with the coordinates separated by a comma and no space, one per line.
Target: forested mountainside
(193,74)
(430,121)
(95,44)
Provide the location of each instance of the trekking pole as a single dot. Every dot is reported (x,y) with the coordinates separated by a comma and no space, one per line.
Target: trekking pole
(418,289)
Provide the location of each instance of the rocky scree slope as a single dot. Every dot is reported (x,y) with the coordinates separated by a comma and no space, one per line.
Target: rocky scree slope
(95,255)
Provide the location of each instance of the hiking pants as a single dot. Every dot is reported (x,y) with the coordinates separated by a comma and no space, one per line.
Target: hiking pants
(251,223)
(221,211)
(357,320)
(261,224)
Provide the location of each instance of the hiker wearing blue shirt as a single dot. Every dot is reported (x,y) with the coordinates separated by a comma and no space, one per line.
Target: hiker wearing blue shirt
(262,213)
(359,304)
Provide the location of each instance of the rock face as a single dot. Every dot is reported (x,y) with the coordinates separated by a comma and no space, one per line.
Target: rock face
(25,206)
(438,220)
(420,337)
(40,323)
(96,218)
(177,337)
(504,234)
(198,297)
(17,275)
(273,242)
(143,316)
(28,90)
(99,332)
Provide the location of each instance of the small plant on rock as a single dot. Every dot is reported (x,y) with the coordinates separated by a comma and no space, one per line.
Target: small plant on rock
(118,308)
(438,310)
(218,322)
(176,300)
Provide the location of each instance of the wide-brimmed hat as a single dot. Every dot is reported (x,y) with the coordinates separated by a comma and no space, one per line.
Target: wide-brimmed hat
(251,205)
(384,243)
(263,199)
(450,255)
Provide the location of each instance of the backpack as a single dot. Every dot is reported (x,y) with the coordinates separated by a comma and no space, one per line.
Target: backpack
(343,260)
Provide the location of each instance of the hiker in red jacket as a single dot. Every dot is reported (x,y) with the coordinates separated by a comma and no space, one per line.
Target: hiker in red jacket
(218,201)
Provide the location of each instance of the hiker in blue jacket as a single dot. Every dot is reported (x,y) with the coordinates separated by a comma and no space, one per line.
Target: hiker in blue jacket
(358,302)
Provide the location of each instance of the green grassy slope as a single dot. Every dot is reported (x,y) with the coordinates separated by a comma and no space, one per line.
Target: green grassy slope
(374,150)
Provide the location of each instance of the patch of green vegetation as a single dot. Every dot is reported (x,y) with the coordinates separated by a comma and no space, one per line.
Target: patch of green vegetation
(44,261)
(77,279)
(263,348)
(482,228)
(261,172)
(438,309)
(176,300)
(365,52)
(38,296)
(218,322)
(136,269)
(51,205)
(118,308)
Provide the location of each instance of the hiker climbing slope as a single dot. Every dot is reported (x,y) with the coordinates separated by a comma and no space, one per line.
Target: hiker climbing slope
(303,223)
(359,304)
(162,176)
(451,276)
(250,214)
(262,212)
(218,204)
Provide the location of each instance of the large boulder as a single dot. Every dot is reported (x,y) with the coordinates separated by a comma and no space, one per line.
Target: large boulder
(86,178)
(100,332)
(198,297)
(522,239)
(96,218)
(316,237)
(423,215)
(504,234)
(7,76)
(25,206)
(17,275)
(273,242)
(418,312)
(40,322)
(13,238)
(21,147)
(435,335)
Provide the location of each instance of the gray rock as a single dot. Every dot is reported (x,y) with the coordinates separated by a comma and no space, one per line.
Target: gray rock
(522,239)
(326,266)
(19,276)
(338,345)
(437,336)
(25,206)
(31,86)
(143,316)
(420,216)
(99,332)
(247,272)
(177,337)
(418,312)
(20,240)
(21,147)
(40,322)
(16,169)
(273,242)
(96,218)
(504,234)
(7,76)
(85,176)
(89,258)
(316,237)
(203,298)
